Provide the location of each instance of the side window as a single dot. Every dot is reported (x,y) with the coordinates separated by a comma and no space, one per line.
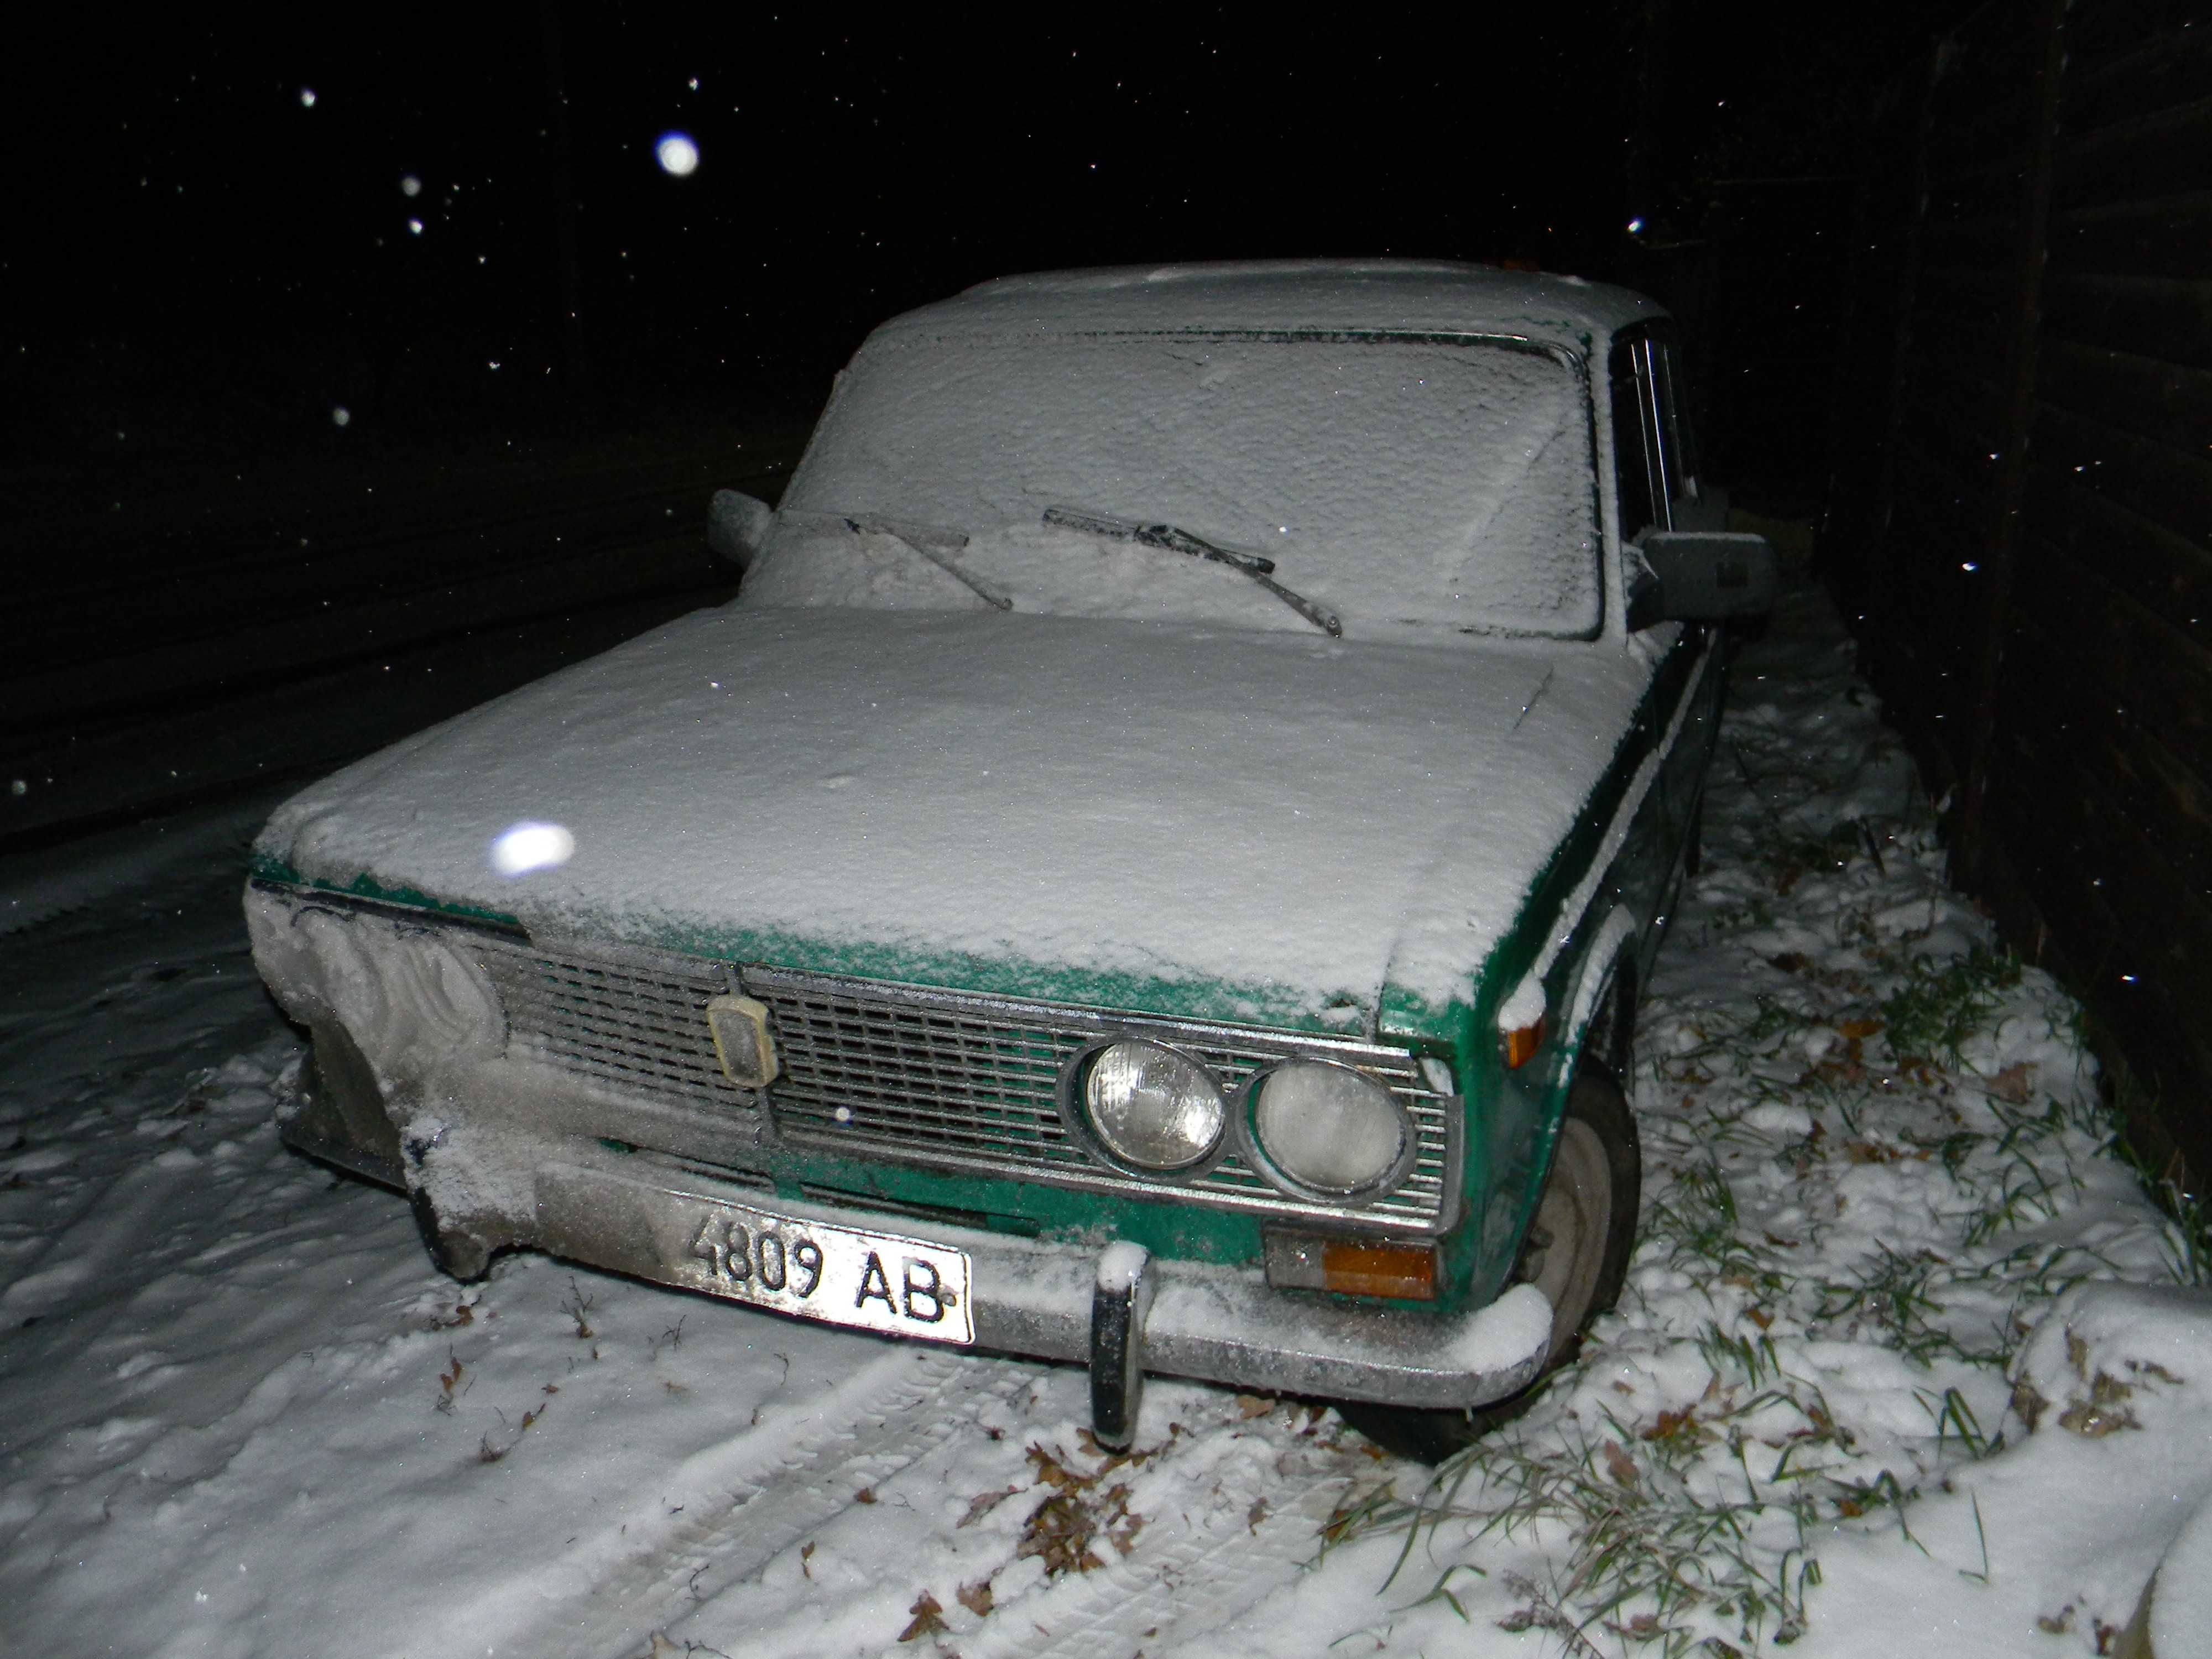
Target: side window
(1673,407)
(1636,458)
(1658,469)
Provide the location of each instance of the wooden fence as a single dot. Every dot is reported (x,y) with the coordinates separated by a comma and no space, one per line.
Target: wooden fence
(2019,519)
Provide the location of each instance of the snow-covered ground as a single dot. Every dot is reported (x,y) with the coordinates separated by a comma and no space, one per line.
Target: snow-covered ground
(1850,1403)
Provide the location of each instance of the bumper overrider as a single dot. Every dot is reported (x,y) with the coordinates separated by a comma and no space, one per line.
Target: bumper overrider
(573,1100)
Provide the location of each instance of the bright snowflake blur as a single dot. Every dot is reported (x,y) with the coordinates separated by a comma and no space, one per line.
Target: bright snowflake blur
(677,155)
(528,847)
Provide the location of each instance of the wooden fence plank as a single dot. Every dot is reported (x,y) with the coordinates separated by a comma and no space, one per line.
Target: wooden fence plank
(2054,700)
(2162,236)
(2148,670)
(2156,568)
(2126,314)
(2149,1045)
(2100,31)
(2165,154)
(2158,75)
(2158,481)
(2131,392)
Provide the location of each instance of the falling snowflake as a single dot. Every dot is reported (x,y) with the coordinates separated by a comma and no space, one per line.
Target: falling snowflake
(677,155)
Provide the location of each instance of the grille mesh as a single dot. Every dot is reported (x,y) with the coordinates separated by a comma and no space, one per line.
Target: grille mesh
(634,1022)
(898,1072)
(971,1083)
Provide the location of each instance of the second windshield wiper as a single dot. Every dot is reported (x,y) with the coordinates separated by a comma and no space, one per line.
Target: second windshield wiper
(1177,540)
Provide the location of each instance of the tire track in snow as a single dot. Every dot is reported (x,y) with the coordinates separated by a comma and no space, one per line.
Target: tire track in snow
(1232,1514)
(110,1227)
(781,1492)
(1218,1564)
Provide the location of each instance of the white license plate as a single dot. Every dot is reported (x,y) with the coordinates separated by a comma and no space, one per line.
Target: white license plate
(841,1275)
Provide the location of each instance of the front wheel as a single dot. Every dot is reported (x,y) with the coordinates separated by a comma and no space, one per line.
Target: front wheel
(1577,1252)
(1578,1249)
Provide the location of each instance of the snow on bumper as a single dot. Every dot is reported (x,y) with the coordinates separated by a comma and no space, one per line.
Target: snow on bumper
(1215,1323)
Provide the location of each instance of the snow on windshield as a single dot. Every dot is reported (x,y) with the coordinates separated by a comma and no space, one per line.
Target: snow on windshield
(1392,480)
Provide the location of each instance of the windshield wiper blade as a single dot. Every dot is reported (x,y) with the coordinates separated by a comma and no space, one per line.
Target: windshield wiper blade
(1176,539)
(933,542)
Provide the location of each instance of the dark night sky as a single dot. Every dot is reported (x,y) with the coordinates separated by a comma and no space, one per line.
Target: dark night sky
(260,396)
(223,262)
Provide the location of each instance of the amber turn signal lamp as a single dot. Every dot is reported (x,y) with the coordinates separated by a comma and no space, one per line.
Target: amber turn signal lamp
(1405,1271)
(1520,1044)
(1351,1266)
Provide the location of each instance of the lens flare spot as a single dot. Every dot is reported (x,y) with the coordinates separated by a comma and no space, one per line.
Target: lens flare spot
(529,846)
(677,155)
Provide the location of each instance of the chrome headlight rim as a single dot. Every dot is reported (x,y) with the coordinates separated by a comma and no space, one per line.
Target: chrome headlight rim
(1076,1117)
(1247,1127)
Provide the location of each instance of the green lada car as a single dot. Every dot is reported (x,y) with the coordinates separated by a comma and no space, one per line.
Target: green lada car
(1154,869)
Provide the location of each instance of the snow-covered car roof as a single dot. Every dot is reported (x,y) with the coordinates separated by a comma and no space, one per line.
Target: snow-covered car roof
(1362,295)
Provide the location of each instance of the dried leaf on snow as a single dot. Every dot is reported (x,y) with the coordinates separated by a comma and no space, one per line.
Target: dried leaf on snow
(927,1620)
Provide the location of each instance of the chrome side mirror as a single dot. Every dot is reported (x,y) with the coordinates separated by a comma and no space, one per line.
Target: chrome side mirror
(1702,576)
(737,526)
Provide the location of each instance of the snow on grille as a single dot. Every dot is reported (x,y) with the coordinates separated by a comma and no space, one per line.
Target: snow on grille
(971,1082)
(635,1022)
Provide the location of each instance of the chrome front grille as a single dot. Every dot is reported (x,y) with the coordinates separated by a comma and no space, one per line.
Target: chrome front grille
(937,1079)
(971,1082)
(632,1021)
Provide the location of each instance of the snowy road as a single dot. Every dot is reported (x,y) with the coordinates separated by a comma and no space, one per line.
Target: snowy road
(241,1414)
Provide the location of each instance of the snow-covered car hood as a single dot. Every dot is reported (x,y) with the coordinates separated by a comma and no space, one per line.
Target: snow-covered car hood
(1279,820)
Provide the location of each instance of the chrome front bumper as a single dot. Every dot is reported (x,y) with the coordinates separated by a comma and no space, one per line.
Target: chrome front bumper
(1219,1324)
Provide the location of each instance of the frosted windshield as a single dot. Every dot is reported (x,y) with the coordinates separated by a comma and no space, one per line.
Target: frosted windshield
(1392,481)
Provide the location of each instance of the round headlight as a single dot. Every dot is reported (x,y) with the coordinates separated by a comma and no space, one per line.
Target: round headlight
(1329,1127)
(1151,1106)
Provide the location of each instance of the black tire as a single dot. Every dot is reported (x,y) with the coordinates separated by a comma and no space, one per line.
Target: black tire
(1693,841)
(1576,1252)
